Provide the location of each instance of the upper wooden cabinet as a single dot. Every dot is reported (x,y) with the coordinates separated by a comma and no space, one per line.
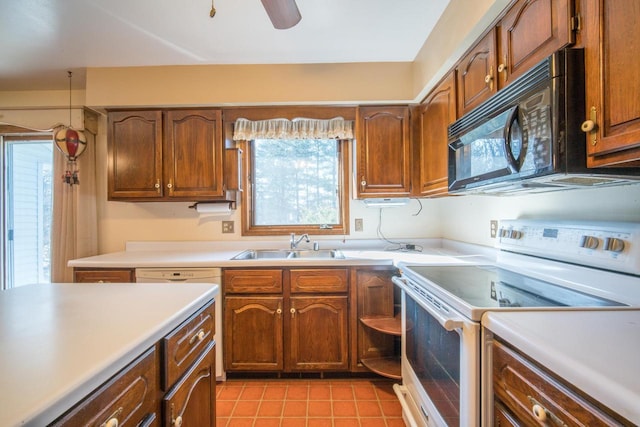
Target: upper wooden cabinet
(431,120)
(170,155)
(477,74)
(383,152)
(611,37)
(528,32)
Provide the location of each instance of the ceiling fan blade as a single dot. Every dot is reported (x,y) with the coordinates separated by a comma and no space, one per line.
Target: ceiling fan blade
(283,13)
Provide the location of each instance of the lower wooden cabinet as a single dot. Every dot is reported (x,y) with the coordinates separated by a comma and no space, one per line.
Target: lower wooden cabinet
(527,394)
(301,325)
(191,402)
(104,275)
(171,384)
(128,399)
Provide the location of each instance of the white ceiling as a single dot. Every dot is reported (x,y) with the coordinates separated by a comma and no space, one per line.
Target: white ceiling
(42,39)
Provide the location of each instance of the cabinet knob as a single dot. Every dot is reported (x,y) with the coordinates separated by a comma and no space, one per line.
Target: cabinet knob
(199,336)
(539,413)
(157,186)
(177,422)
(488,79)
(293,312)
(169,185)
(588,126)
(501,68)
(279,311)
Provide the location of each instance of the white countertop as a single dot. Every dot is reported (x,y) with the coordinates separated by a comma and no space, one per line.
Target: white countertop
(58,342)
(219,254)
(596,351)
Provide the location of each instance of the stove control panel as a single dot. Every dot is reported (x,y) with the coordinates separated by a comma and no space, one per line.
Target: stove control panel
(608,245)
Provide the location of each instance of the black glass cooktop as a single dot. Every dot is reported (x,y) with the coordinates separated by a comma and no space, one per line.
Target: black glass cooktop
(489,287)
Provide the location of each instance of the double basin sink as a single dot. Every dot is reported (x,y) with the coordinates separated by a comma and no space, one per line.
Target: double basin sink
(289,254)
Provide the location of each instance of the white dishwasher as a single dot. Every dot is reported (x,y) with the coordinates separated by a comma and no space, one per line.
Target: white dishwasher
(193,275)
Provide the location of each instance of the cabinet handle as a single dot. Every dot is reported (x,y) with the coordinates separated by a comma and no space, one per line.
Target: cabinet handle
(488,79)
(157,186)
(177,422)
(199,336)
(541,414)
(279,311)
(590,126)
(293,312)
(169,185)
(112,421)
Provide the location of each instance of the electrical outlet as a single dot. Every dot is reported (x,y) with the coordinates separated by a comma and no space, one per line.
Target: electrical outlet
(227,227)
(494,228)
(358,225)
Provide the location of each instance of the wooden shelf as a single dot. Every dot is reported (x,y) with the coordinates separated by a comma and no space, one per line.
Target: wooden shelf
(386,366)
(386,325)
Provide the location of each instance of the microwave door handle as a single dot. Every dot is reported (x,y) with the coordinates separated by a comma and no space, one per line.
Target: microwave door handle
(514,164)
(450,323)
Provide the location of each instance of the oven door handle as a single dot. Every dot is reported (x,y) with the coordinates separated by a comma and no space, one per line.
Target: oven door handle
(450,323)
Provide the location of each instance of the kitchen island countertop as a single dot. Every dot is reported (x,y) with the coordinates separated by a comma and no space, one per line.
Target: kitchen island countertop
(61,341)
(595,351)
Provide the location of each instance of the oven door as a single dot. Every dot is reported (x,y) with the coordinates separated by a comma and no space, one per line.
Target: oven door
(440,361)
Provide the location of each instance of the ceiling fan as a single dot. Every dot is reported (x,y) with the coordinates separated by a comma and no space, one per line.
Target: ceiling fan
(283,13)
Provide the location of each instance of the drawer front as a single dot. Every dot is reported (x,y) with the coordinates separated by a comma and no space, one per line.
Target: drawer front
(183,346)
(191,402)
(104,276)
(129,397)
(533,394)
(319,280)
(255,281)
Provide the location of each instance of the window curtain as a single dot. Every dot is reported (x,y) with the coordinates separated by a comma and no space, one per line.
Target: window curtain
(74,228)
(298,128)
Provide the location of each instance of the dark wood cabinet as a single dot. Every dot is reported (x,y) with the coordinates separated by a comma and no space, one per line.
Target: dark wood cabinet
(527,394)
(383,152)
(173,383)
(104,275)
(318,333)
(379,329)
(128,399)
(288,320)
(476,73)
(611,37)
(431,120)
(253,333)
(134,142)
(191,402)
(529,32)
(168,155)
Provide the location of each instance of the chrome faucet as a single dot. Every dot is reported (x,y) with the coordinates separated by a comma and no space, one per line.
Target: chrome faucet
(294,242)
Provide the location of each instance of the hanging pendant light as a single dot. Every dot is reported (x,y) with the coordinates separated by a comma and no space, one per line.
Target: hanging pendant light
(71,143)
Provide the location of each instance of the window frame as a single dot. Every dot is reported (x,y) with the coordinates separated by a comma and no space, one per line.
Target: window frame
(248,204)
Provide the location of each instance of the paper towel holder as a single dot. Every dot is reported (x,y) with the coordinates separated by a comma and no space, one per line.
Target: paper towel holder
(232,203)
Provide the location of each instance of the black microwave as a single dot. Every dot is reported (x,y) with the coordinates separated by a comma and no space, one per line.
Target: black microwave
(527,137)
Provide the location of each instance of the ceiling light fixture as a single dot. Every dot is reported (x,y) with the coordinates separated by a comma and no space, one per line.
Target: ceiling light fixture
(284,14)
(71,143)
(213,10)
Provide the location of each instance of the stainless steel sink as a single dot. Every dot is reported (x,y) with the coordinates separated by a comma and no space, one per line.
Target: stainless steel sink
(321,253)
(289,254)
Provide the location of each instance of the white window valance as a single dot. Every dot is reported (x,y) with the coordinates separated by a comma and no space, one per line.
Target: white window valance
(298,128)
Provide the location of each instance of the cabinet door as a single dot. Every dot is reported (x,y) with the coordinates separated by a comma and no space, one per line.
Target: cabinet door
(433,118)
(318,333)
(193,153)
(106,275)
(253,333)
(134,141)
(612,59)
(476,73)
(529,32)
(383,152)
(191,402)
